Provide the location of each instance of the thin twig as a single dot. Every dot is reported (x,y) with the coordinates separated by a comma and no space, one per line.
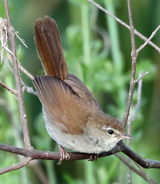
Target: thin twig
(29,89)
(140,77)
(21,40)
(129,174)
(149,39)
(9,89)
(23,115)
(138,97)
(150,181)
(141,174)
(134,57)
(25,72)
(125,25)
(16,166)
(129,130)
(4,39)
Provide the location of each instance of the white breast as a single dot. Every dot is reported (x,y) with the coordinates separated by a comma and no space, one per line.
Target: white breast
(80,143)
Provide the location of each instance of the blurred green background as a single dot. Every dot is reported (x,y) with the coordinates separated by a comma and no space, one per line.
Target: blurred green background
(97,50)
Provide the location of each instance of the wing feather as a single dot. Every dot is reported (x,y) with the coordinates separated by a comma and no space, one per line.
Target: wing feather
(63,105)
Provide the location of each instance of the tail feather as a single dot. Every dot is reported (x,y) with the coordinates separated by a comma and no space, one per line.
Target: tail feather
(49,47)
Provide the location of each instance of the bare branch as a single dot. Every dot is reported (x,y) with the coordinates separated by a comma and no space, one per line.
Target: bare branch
(129,174)
(48,155)
(140,77)
(25,72)
(21,40)
(17,78)
(4,39)
(141,174)
(145,163)
(134,58)
(29,89)
(125,25)
(150,181)
(146,42)
(9,89)
(15,166)
(138,98)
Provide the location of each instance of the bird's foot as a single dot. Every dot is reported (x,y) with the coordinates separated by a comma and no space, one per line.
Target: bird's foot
(93,157)
(63,155)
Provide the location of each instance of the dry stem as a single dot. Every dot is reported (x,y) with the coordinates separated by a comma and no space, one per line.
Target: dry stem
(17,78)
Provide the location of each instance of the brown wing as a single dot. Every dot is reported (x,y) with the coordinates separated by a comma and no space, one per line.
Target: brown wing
(64,105)
(49,46)
(80,89)
(65,99)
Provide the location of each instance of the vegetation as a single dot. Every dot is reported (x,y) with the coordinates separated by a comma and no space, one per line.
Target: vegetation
(97,50)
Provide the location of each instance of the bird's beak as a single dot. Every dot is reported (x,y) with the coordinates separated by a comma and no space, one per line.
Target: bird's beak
(123,136)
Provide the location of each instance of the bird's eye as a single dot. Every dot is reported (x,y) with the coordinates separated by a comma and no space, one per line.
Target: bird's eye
(110,131)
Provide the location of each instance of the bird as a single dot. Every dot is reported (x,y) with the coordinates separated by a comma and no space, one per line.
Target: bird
(73,117)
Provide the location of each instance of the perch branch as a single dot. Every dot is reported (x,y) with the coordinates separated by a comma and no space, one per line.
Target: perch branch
(48,155)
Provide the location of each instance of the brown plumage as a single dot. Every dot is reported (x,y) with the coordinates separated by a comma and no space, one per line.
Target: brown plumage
(48,40)
(63,92)
(73,117)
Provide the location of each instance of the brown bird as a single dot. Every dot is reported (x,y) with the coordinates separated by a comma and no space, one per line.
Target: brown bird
(73,117)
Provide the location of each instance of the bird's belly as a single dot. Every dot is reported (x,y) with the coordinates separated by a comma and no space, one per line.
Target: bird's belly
(80,143)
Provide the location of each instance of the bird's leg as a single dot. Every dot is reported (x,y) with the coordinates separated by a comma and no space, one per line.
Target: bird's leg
(64,155)
(93,157)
